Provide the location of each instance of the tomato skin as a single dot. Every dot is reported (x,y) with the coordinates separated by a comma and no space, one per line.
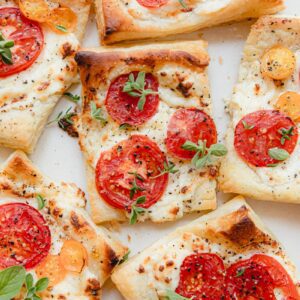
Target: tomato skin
(189,124)
(123,108)
(253,144)
(152,3)
(202,276)
(25,238)
(27,36)
(137,154)
(256,278)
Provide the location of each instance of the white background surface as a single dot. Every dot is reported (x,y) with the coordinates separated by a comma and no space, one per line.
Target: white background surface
(58,155)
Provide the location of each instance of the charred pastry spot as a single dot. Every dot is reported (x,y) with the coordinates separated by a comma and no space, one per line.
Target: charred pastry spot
(174,211)
(184,190)
(109,30)
(93,287)
(69,128)
(141,269)
(67,50)
(184,88)
(43,86)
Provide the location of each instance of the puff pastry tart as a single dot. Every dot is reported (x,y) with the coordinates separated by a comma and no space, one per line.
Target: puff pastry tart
(263,138)
(227,254)
(146,131)
(120,20)
(38,42)
(47,236)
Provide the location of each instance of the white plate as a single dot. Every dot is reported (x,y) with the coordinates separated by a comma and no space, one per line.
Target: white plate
(59,157)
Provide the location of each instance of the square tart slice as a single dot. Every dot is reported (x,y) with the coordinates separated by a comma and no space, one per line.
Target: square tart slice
(42,68)
(262,139)
(120,20)
(129,140)
(46,229)
(226,254)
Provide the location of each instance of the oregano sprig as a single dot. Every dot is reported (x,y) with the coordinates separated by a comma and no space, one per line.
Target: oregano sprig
(286,134)
(64,118)
(73,98)
(136,88)
(96,113)
(5,49)
(32,288)
(169,167)
(135,187)
(203,154)
(137,210)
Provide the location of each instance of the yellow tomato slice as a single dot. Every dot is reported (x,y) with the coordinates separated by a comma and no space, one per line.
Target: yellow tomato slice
(52,268)
(73,256)
(289,103)
(62,20)
(36,10)
(278,63)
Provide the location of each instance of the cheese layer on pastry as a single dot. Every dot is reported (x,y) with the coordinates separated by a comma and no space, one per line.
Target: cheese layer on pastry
(120,20)
(256,91)
(233,232)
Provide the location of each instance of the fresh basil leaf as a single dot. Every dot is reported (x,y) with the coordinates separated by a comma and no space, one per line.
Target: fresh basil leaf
(42,284)
(11,282)
(190,146)
(35,297)
(202,162)
(124,126)
(218,150)
(278,154)
(29,281)
(174,296)
(133,216)
(61,28)
(141,103)
(41,202)
(6,56)
(140,200)
(140,80)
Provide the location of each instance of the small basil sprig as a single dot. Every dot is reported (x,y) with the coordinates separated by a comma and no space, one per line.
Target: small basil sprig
(96,113)
(135,187)
(41,201)
(174,296)
(278,154)
(169,167)
(5,50)
(32,289)
(136,210)
(204,155)
(73,98)
(136,88)
(286,134)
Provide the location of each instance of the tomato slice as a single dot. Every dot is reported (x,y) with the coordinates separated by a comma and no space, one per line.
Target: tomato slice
(202,276)
(27,36)
(135,160)
(256,278)
(123,108)
(260,131)
(152,3)
(25,238)
(189,124)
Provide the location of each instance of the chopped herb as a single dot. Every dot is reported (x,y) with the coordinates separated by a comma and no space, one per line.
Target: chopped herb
(64,119)
(203,155)
(272,165)
(135,188)
(73,98)
(124,126)
(240,272)
(247,126)
(61,28)
(169,167)
(136,210)
(41,201)
(5,50)
(136,88)
(40,286)
(174,296)
(183,4)
(278,154)
(136,175)
(124,258)
(286,134)
(96,113)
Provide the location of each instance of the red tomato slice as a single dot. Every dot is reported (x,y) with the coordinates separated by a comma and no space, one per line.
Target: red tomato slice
(116,167)
(25,238)
(256,278)
(189,124)
(202,276)
(253,144)
(123,108)
(152,3)
(28,38)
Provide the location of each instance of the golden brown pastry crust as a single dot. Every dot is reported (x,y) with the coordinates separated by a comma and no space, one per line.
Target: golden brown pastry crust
(98,67)
(22,181)
(255,92)
(233,229)
(120,20)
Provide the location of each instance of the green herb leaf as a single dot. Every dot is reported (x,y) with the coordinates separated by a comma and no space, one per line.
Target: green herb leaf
(240,272)
(124,258)
(42,284)
(190,146)
(218,150)
(183,4)
(61,28)
(278,154)
(64,118)
(73,98)
(41,202)
(11,282)
(169,167)
(5,50)
(286,134)
(29,281)
(136,88)
(135,187)
(124,126)
(174,296)
(272,165)
(96,113)
(136,210)
(247,126)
